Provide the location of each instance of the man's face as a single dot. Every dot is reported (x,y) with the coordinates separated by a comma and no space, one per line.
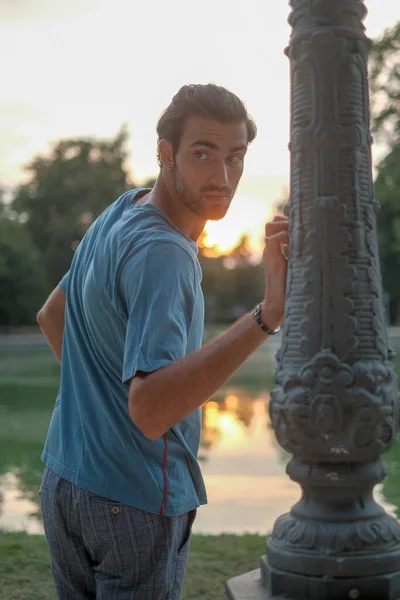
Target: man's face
(209,164)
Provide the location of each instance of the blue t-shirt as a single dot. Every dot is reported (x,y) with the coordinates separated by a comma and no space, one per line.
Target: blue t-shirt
(133,303)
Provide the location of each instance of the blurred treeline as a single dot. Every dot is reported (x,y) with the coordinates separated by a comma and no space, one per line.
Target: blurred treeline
(67,189)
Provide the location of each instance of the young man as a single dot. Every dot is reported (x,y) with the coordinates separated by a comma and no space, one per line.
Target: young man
(122,481)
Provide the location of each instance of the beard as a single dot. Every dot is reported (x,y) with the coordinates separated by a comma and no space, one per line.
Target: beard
(206,209)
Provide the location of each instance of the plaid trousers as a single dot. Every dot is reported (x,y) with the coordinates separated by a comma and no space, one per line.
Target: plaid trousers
(104,550)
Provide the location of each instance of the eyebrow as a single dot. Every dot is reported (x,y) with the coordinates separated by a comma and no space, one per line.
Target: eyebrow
(213,146)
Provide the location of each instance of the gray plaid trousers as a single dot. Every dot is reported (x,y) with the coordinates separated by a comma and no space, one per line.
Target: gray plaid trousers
(104,550)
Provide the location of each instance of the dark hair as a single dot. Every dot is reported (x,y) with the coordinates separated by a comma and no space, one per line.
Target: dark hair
(211,101)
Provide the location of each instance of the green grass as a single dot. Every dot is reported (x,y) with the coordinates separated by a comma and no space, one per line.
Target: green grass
(24,568)
(25,571)
(215,559)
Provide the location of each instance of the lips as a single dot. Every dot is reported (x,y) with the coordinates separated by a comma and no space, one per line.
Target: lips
(217,196)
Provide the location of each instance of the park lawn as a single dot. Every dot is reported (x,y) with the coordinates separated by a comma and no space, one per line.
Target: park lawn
(25,572)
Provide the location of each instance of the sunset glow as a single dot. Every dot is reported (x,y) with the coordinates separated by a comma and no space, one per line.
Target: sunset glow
(248,216)
(106,85)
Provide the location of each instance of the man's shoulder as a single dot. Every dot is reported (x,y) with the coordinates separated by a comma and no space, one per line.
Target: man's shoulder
(165,254)
(147,233)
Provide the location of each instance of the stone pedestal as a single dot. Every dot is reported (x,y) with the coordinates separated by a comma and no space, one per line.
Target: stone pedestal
(252,586)
(247,587)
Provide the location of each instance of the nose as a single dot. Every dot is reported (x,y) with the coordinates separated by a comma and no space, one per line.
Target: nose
(219,176)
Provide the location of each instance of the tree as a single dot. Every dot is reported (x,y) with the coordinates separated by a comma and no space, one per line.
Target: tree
(384,77)
(385,124)
(66,191)
(231,283)
(387,191)
(22,278)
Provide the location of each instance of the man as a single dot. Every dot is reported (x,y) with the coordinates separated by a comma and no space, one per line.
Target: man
(122,482)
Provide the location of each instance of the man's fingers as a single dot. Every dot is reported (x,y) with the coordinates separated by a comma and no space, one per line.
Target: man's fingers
(280,237)
(275,226)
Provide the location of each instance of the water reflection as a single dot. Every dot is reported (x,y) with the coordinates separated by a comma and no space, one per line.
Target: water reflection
(228,417)
(243,466)
(17,513)
(390,489)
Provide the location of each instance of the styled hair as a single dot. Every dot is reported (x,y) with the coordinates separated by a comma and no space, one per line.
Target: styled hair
(210,101)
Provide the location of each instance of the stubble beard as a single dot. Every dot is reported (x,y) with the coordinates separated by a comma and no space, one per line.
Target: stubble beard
(196,203)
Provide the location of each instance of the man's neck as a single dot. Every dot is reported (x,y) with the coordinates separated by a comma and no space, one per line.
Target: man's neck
(165,198)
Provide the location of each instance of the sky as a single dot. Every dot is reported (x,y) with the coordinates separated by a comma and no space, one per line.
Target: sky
(84,68)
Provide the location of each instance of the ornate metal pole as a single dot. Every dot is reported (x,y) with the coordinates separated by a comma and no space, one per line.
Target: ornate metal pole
(335,404)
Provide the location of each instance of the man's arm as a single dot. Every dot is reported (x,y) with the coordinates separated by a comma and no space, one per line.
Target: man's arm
(159,400)
(51,320)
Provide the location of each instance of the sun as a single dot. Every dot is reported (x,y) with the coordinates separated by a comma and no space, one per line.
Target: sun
(220,237)
(247,215)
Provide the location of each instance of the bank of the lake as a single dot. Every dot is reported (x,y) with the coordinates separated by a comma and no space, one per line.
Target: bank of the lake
(25,571)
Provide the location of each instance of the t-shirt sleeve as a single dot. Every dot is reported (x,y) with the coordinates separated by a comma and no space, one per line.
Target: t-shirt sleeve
(63,283)
(159,294)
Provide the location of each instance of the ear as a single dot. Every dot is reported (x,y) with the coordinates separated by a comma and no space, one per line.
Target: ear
(166,154)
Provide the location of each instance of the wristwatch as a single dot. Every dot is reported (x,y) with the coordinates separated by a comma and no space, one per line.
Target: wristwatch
(256,312)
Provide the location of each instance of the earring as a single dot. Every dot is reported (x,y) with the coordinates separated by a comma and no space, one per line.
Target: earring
(169,168)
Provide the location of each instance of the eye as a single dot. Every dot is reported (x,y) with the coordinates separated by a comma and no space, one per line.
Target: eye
(234,158)
(201,155)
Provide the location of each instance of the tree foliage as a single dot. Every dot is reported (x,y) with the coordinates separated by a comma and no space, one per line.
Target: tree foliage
(384,76)
(66,191)
(387,191)
(231,284)
(385,123)
(22,277)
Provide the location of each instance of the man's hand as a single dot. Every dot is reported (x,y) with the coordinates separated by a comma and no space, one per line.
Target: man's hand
(275,268)
(51,320)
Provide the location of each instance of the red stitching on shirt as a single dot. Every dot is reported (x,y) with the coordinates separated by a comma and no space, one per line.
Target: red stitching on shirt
(165,475)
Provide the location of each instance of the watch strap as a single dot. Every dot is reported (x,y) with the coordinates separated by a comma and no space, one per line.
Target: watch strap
(256,313)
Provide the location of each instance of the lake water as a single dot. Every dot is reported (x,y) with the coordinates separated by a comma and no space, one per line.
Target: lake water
(243,466)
